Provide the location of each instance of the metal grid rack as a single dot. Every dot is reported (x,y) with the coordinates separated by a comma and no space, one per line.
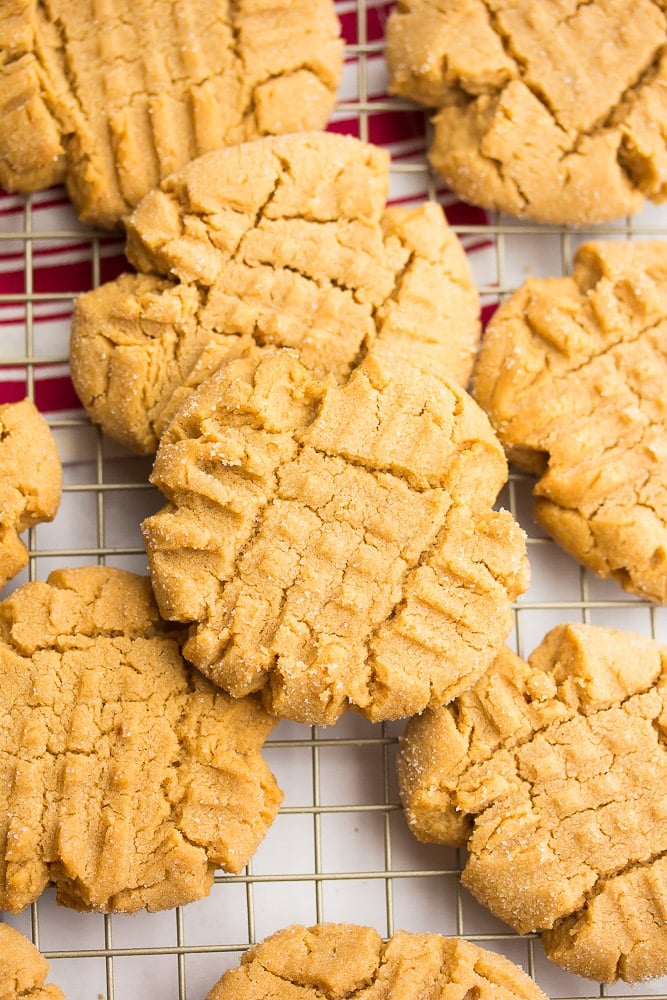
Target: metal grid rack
(340,849)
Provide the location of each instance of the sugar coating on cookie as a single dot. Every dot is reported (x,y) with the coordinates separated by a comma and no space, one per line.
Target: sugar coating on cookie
(30,480)
(125,778)
(348,962)
(285,241)
(572,373)
(551,111)
(23,969)
(112,99)
(334,544)
(553,773)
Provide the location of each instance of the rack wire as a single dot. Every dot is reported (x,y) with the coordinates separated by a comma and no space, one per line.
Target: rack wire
(340,848)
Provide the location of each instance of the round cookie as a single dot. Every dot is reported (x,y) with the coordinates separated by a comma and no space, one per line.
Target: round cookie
(23,969)
(111,100)
(335,961)
(125,778)
(285,241)
(549,111)
(572,374)
(30,480)
(553,773)
(334,544)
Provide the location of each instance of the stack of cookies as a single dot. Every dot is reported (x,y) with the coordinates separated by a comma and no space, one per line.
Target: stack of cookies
(296,352)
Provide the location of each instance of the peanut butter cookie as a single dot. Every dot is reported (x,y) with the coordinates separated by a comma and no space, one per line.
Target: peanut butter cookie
(22,969)
(125,778)
(110,99)
(30,480)
(346,962)
(553,773)
(286,241)
(551,111)
(572,373)
(334,543)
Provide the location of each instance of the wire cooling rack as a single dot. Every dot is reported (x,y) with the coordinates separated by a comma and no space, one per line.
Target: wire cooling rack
(339,849)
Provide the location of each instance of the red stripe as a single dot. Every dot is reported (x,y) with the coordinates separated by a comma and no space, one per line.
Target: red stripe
(57,199)
(376,19)
(13,283)
(111,267)
(51,394)
(385,127)
(7,210)
(461,214)
(46,317)
(487,313)
(56,394)
(481,244)
(74,277)
(13,204)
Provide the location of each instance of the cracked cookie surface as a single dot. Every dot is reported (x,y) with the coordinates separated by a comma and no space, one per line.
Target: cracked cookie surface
(349,962)
(334,543)
(553,773)
(23,969)
(554,111)
(30,480)
(125,778)
(110,99)
(286,241)
(572,374)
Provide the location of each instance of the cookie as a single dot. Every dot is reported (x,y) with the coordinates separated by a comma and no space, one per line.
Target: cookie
(553,773)
(30,480)
(111,100)
(549,111)
(338,961)
(22,969)
(334,544)
(285,241)
(125,777)
(572,373)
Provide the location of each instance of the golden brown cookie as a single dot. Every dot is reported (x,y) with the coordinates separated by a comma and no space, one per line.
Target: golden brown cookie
(344,961)
(572,373)
(23,969)
(334,543)
(553,773)
(552,111)
(30,480)
(286,241)
(125,778)
(112,99)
